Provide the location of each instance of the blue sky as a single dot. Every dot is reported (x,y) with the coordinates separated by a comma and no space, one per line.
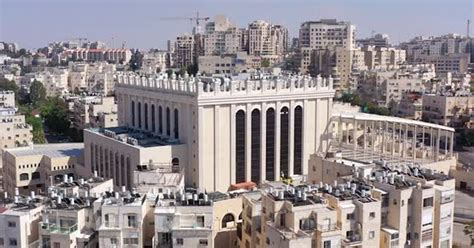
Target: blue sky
(34,23)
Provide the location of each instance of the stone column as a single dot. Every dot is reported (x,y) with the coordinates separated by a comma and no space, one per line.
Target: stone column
(263,141)
(437,143)
(217,150)
(277,139)
(354,136)
(248,142)
(232,143)
(414,144)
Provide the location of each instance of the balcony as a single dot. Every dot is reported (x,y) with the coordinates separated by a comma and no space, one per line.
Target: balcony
(354,240)
(53,228)
(327,227)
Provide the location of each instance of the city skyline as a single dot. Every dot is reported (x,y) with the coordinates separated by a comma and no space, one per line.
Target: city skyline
(143,26)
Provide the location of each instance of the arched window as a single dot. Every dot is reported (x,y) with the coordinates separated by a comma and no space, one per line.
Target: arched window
(284,139)
(92,158)
(146,116)
(153,126)
(255,146)
(226,219)
(176,124)
(35,175)
(160,120)
(122,170)
(129,173)
(168,122)
(240,146)
(270,145)
(139,115)
(133,114)
(117,170)
(175,165)
(298,140)
(24,177)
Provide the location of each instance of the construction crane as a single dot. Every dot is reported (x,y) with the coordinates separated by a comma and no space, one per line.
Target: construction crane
(193,19)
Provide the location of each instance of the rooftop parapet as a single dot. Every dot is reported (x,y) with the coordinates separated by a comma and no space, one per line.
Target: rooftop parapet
(224,86)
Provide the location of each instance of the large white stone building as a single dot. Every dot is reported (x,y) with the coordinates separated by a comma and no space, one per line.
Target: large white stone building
(221,131)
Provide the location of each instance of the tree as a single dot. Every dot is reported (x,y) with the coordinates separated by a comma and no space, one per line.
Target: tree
(136,60)
(192,69)
(265,63)
(6,84)
(55,115)
(37,93)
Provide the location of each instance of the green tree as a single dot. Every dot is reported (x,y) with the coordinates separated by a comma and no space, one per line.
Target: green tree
(55,115)
(6,84)
(265,63)
(37,93)
(192,69)
(136,60)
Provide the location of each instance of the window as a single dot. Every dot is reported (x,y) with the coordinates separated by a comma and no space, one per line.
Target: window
(13,242)
(130,241)
(12,224)
(203,242)
(372,215)
(255,146)
(240,146)
(327,244)
(200,221)
(428,202)
(371,234)
(298,140)
(270,147)
(113,241)
(350,216)
(24,177)
(179,241)
(35,175)
(132,220)
(227,218)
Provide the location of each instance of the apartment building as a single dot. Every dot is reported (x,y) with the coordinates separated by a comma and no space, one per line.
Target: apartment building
(231,64)
(123,220)
(410,106)
(19,218)
(267,40)
(156,127)
(155,61)
(190,219)
(158,178)
(184,51)
(7,99)
(35,167)
(54,79)
(93,78)
(14,132)
(449,110)
(458,63)
(94,111)
(383,58)
(116,56)
(377,40)
(327,32)
(222,37)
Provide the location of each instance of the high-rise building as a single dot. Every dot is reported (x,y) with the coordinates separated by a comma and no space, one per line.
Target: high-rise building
(184,51)
(327,32)
(266,39)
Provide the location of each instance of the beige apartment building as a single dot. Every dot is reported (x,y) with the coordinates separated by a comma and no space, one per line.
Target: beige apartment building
(194,219)
(95,112)
(267,40)
(416,203)
(111,55)
(184,51)
(14,132)
(231,64)
(164,120)
(35,168)
(449,110)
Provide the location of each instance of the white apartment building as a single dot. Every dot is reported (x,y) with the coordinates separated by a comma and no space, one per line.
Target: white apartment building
(222,37)
(327,32)
(267,40)
(19,219)
(261,122)
(7,99)
(92,78)
(155,61)
(383,58)
(14,132)
(54,79)
(450,110)
(94,111)
(34,168)
(116,56)
(232,64)
(194,219)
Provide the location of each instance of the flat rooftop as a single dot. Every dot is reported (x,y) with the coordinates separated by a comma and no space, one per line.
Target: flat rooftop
(49,150)
(135,137)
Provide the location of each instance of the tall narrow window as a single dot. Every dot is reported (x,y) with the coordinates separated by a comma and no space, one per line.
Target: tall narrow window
(133,114)
(146,116)
(176,124)
(129,173)
(168,122)
(122,170)
(255,146)
(298,140)
(153,125)
(284,141)
(240,146)
(160,120)
(117,170)
(139,115)
(92,158)
(270,146)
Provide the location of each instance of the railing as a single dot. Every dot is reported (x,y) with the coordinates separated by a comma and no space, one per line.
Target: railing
(53,228)
(327,227)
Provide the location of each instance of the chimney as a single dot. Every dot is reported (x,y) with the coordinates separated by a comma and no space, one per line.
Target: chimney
(32,193)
